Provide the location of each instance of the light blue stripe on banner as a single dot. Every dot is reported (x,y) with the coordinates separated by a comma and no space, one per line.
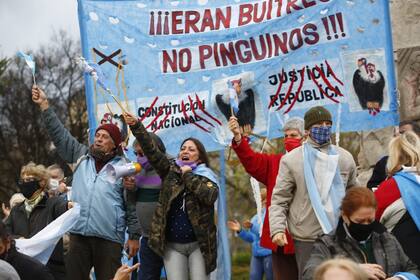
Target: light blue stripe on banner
(223,251)
(91,106)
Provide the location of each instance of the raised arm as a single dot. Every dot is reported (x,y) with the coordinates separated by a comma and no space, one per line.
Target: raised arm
(157,159)
(258,165)
(67,146)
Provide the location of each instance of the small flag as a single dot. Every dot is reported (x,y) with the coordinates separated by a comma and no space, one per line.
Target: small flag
(95,71)
(29,61)
(233,97)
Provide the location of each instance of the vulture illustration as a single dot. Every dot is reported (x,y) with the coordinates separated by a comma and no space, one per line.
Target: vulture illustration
(369,84)
(240,103)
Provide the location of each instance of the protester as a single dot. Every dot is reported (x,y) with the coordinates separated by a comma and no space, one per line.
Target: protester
(146,185)
(308,192)
(342,269)
(28,268)
(15,199)
(380,173)
(57,184)
(362,239)
(399,197)
(264,168)
(37,211)
(183,229)
(97,237)
(261,263)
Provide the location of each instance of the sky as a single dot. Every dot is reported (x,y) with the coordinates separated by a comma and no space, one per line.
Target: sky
(28,24)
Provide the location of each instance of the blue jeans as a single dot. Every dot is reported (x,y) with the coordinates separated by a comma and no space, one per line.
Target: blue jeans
(150,263)
(261,266)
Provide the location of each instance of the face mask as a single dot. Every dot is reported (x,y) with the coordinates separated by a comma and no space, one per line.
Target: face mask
(181,163)
(291,143)
(143,161)
(29,188)
(54,183)
(321,135)
(361,232)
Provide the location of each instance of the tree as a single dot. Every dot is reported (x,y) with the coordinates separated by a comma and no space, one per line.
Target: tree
(23,137)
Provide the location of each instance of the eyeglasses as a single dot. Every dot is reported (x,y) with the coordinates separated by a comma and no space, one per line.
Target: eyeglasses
(26,180)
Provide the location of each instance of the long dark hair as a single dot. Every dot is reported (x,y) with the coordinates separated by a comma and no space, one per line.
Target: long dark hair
(202,154)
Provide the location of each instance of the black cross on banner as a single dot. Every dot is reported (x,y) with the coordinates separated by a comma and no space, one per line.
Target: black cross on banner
(106,58)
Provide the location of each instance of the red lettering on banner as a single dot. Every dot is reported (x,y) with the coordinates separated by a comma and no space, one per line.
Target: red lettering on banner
(266,46)
(191,19)
(207,21)
(245,16)
(205,52)
(176,21)
(243,56)
(204,20)
(221,18)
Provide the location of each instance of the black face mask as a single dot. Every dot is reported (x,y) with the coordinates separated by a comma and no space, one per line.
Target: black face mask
(28,188)
(361,232)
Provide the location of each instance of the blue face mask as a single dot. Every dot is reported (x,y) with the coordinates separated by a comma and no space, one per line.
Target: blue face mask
(321,135)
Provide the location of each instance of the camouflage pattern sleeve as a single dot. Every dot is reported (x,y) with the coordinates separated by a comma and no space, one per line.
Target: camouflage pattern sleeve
(157,159)
(133,226)
(204,189)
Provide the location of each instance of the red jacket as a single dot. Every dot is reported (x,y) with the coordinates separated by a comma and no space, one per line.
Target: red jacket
(264,168)
(386,194)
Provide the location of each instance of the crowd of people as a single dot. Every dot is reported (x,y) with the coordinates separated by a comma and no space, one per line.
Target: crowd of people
(318,222)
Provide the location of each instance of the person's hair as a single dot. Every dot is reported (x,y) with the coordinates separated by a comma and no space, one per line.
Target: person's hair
(355,198)
(341,263)
(404,150)
(202,154)
(56,167)
(416,127)
(295,123)
(38,171)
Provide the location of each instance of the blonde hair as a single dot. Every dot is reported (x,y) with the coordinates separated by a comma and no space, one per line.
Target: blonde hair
(404,150)
(38,171)
(341,263)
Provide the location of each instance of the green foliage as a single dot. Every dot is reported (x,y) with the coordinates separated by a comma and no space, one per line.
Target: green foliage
(240,265)
(241,258)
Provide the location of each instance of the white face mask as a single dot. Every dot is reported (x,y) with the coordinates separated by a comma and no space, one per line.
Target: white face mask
(54,183)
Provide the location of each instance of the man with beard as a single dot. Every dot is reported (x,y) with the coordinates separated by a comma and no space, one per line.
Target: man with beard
(97,237)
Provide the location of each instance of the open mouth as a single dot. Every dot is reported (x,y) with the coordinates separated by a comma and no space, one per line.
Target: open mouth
(185,158)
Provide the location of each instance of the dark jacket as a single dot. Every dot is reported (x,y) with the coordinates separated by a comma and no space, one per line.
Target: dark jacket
(386,250)
(28,268)
(379,173)
(200,195)
(47,210)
